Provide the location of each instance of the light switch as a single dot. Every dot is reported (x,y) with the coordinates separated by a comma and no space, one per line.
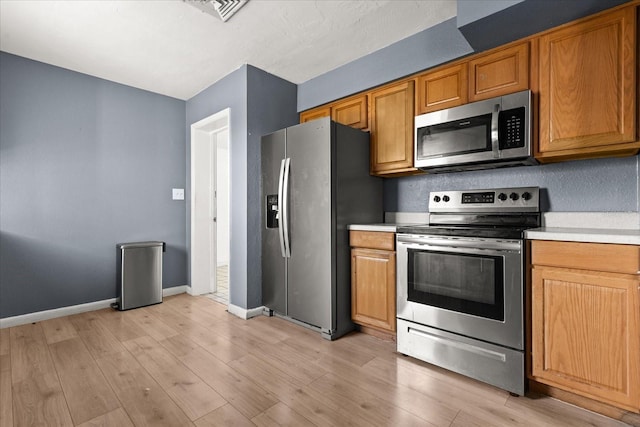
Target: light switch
(178,193)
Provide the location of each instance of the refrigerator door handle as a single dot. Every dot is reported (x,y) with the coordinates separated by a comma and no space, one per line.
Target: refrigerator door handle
(285,206)
(280,209)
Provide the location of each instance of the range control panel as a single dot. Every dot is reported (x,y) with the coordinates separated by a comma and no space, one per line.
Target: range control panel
(516,199)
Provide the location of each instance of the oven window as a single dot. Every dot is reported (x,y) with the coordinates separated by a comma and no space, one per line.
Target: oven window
(457,137)
(465,283)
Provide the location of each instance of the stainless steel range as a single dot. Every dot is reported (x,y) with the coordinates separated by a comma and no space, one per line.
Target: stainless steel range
(460,297)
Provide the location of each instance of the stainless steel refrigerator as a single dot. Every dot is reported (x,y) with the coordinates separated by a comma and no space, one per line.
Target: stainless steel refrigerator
(315,182)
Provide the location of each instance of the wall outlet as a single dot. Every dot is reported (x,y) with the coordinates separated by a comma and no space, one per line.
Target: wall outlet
(178,193)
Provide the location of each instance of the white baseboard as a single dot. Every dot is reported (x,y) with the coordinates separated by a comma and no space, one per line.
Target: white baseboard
(175,290)
(39,316)
(243,313)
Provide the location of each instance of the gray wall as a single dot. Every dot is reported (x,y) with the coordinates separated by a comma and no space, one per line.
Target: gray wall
(490,23)
(260,103)
(271,106)
(229,92)
(433,46)
(84,164)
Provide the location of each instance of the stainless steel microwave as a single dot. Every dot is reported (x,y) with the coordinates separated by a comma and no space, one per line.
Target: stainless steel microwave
(481,135)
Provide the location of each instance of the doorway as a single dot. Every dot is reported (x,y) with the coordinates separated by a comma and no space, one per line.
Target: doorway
(210,256)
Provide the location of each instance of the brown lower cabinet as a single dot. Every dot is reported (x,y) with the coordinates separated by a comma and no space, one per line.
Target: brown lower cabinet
(585,324)
(373,280)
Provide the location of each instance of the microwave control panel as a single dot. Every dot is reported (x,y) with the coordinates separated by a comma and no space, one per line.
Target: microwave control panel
(511,129)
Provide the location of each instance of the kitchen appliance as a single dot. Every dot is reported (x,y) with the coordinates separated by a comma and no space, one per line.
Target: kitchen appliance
(461,281)
(315,181)
(481,135)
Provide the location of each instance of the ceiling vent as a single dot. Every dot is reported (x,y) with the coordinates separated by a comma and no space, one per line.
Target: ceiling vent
(223,9)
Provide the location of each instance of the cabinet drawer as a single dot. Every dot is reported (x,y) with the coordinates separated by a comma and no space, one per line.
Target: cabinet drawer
(372,240)
(587,256)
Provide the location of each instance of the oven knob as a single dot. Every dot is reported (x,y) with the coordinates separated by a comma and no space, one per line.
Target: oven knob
(436,199)
(445,198)
(502,197)
(526,195)
(514,196)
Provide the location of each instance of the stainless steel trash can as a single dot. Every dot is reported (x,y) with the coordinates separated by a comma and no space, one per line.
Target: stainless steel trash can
(139,274)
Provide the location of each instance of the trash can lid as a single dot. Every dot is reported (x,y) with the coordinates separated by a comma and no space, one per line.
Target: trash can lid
(139,245)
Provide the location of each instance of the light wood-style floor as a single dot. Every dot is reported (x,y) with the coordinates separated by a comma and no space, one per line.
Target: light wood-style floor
(188,362)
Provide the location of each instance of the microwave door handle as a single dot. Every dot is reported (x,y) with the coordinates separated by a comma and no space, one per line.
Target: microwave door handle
(495,122)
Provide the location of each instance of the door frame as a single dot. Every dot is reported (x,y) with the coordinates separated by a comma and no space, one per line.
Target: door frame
(210,126)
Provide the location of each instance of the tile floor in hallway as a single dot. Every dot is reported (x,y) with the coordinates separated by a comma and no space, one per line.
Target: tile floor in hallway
(222,292)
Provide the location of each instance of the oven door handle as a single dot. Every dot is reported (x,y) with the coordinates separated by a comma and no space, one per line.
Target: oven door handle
(504,245)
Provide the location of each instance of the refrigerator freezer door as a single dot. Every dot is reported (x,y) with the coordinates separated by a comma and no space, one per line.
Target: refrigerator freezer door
(311,278)
(274,294)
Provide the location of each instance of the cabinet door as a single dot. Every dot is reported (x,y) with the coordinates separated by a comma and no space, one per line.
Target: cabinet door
(392,129)
(499,73)
(586,333)
(588,87)
(373,288)
(444,88)
(351,112)
(315,113)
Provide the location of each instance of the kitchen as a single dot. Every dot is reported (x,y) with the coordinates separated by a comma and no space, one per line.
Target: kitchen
(569,184)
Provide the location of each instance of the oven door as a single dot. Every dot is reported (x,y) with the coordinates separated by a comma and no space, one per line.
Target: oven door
(469,286)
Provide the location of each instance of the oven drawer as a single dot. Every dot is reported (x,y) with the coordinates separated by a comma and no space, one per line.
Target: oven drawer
(499,366)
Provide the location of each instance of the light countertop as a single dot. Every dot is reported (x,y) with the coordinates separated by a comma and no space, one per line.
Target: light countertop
(386,227)
(564,226)
(590,235)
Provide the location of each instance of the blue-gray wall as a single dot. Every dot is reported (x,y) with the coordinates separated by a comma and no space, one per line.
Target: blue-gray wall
(271,106)
(84,164)
(602,185)
(426,49)
(229,92)
(260,103)
(490,23)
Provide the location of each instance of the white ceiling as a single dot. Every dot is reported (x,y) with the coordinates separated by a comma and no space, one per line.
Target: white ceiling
(172,48)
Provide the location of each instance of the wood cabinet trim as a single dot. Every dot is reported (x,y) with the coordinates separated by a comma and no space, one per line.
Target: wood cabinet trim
(372,239)
(315,113)
(587,256)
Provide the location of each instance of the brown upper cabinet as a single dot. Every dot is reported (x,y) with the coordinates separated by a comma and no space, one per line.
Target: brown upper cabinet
(392,129)
(500,72)
(444,88)
(351,112)
(315,113)
(588,73)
